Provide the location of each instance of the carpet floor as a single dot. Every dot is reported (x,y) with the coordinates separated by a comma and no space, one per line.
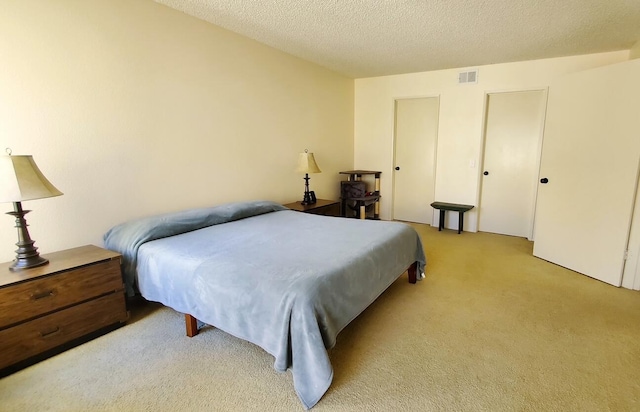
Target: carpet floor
(491,328)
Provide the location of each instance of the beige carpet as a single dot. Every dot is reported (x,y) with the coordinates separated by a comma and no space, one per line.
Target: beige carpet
(491,328)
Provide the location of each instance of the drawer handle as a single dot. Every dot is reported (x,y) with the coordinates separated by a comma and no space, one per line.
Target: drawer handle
(50,333)
(42,295)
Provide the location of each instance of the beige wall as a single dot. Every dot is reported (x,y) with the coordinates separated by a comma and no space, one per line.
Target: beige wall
(461,119)
(634,53)
(131,108)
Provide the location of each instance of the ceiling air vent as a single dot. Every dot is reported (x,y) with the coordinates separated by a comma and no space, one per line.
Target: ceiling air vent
(468,77)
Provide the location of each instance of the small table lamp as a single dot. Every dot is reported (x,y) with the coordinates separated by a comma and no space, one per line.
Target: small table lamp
(307,164)
(20,180)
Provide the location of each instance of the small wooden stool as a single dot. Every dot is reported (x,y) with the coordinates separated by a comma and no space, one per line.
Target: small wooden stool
(455,207)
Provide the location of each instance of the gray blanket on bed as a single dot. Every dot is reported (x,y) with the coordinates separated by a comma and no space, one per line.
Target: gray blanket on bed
(127,237)
(286,281)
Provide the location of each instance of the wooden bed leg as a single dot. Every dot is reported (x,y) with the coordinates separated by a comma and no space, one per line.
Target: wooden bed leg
(192,325)
(412,272)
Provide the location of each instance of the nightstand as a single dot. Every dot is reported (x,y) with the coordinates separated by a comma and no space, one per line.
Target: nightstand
(50,308)
(321,207)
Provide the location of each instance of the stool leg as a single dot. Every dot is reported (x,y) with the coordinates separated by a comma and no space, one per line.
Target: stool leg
(441,222)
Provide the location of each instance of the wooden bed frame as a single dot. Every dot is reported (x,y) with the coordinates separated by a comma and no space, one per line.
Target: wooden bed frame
(192,323)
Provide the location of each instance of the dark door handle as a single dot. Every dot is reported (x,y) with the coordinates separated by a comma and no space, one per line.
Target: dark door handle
(486,173)
(397,167)
(544,180)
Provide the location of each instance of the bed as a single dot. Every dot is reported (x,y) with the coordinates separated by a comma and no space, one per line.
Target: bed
(286,281)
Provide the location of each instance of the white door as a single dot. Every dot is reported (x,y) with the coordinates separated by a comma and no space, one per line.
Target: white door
(631,274)
(513,130)
(590,159)
(415,159)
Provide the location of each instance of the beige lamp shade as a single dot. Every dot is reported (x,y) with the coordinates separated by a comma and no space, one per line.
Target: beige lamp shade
(307,163)
(20,180)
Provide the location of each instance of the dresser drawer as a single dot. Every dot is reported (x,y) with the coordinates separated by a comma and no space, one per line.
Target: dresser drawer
(36,336)
(329,210)
(27,300)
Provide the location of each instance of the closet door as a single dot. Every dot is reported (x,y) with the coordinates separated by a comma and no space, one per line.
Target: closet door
(415,159)
(513,129)
(589,170)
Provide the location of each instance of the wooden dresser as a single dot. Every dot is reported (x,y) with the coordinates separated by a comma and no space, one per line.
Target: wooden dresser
(46,309)
(321,207)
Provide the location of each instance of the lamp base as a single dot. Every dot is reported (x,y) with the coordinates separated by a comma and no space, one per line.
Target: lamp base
(28,263)
(27,255)
(309,197)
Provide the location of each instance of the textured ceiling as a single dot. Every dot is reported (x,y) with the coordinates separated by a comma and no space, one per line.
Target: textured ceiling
(364,38)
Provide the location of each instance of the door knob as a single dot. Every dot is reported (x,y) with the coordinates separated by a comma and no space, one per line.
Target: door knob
(397,167)
(544,180)
(486,173)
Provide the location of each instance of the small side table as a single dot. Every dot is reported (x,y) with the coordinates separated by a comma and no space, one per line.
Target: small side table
(47,309)
(442,206)
(321,207)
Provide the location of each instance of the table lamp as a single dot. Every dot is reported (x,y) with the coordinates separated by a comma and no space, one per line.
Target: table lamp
(20,180)
(307,164)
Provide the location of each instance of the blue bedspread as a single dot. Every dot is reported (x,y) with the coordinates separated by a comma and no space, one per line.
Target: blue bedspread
(127,237)
(284,280)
